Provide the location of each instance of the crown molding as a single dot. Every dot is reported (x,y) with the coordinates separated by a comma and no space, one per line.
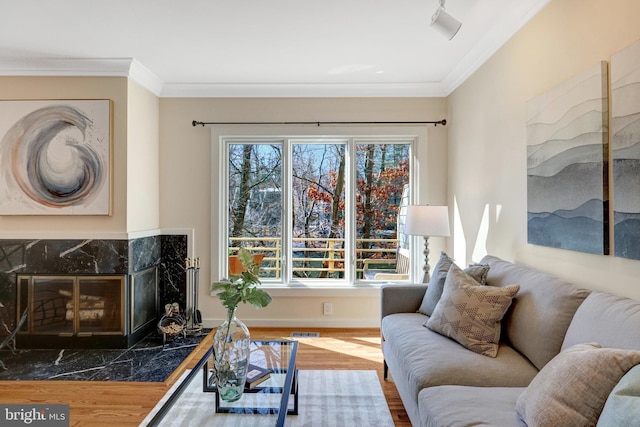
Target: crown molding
(311,90)
(65,67)
(83,67)
(130,67)
(145,77)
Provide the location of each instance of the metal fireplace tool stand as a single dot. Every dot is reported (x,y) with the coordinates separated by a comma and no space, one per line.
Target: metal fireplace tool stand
(188,322)
(193,315)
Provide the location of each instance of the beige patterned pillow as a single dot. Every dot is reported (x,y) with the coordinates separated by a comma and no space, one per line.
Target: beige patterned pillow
(471,314)
(572,388)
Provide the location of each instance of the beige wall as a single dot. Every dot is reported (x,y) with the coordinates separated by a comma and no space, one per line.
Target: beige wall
(143,159)
(487,140)
(186,196)
(114,88)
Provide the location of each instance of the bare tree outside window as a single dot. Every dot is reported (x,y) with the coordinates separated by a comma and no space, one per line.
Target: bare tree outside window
(318,203)
(382,172)
(318,210)
(255,202)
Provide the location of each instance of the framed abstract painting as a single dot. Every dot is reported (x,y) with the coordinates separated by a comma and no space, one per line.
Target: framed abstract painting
(55,157)
(567,160)
(625,151)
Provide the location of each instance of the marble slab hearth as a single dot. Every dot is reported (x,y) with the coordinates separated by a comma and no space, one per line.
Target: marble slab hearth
(147,361)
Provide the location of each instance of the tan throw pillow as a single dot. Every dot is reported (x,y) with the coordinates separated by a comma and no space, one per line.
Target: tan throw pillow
(470,313)
(572,388)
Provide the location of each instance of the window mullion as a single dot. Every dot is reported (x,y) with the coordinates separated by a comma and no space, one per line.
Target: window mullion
(287,230)
(350,214)
(223,221)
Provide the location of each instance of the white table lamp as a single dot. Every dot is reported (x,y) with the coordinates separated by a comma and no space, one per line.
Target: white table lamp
(427,221)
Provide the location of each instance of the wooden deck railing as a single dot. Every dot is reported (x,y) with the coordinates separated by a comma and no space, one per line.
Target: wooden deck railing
(313,257)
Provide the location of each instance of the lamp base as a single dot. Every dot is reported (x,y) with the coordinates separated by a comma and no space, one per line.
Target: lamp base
(427,276)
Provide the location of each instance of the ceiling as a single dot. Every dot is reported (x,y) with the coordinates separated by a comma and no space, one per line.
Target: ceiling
(208,48)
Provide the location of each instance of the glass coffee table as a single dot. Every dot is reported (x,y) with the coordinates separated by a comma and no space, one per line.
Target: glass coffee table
(270,399)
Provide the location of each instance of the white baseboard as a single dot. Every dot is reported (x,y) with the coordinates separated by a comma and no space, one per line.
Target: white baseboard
(301,323)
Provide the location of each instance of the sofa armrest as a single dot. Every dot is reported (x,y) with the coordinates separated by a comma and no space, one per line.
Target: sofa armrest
(401,298)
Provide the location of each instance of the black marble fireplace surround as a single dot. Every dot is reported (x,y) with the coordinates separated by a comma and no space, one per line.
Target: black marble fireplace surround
(92,257)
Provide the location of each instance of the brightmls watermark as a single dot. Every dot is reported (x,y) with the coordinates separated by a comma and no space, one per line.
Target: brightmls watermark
(34,415)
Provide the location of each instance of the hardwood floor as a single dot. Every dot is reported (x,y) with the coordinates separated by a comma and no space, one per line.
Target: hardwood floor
(126,404)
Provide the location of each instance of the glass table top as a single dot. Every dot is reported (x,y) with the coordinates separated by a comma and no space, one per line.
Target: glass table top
(273,399)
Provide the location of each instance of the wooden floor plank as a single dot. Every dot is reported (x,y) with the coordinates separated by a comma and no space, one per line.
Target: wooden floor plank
(101,403)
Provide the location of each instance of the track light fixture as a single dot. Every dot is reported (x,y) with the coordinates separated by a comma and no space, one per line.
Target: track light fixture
(445,23)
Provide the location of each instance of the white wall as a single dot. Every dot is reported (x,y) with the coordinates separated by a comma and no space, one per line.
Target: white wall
(487,139)
(143,159)
(186,190)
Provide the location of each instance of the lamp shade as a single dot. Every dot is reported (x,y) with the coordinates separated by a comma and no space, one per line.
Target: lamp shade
(446,24)
(429,221)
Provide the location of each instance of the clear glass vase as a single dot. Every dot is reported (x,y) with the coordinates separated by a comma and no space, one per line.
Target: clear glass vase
(231,350)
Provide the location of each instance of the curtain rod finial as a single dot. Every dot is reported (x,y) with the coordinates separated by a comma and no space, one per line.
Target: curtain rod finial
(196,123)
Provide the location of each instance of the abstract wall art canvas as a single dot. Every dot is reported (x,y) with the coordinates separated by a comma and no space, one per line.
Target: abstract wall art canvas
(55,157)
(567,146)
(625,151)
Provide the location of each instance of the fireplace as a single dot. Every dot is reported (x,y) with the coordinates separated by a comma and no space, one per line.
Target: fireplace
(92,293)
(86,311)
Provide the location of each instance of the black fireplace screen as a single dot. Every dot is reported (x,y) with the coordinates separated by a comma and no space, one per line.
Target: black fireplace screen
(72,305)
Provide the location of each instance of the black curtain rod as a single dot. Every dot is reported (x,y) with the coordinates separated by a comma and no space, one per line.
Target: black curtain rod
(442,122)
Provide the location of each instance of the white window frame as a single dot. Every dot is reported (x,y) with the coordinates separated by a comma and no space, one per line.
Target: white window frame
(220,136)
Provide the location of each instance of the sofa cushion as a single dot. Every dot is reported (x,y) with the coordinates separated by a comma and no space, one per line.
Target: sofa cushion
(539,316)
(572,388)
(436,284)
(423,358)
(463,406)
(607,319)
(623,404)
(470,313)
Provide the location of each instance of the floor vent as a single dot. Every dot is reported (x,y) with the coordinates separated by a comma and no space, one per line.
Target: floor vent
(305,334)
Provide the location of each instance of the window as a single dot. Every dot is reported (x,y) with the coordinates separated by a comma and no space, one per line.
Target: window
(316,207)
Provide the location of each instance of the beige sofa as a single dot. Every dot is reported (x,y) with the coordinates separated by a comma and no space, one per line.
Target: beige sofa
(441,383)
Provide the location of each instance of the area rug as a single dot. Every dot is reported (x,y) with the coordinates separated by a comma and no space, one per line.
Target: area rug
(326,399)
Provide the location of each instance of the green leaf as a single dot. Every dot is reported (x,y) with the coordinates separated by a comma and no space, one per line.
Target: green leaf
(249,278)
(259,298)
(245,258)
